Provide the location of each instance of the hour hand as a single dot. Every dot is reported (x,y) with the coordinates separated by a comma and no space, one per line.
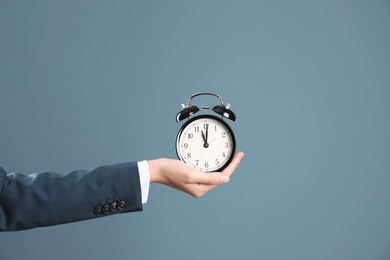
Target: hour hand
(204,137)
(205,145)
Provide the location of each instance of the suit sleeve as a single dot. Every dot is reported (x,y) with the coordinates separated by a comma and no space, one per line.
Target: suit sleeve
(48,198)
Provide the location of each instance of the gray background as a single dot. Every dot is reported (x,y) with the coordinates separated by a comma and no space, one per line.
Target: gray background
(86,83)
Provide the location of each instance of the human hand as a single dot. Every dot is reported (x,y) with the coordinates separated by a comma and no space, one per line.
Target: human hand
(180,176)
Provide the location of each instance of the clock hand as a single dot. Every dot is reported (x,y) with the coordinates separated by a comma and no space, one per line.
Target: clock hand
(205,145)
(207,132)
(212,140)
(204,138)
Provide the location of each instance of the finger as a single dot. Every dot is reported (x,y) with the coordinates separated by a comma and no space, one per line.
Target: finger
(233,165)
(210,178)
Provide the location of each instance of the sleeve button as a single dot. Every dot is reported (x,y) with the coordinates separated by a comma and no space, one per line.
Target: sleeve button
(113,206)
(106,209)
(121,205)
(97,211)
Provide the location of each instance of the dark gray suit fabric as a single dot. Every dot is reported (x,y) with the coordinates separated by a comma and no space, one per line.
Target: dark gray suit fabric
(48,198)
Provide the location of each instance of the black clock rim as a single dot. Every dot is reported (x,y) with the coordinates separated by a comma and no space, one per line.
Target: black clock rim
(219,120)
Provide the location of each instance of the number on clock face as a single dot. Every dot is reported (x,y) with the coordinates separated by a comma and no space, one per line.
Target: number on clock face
(206,144)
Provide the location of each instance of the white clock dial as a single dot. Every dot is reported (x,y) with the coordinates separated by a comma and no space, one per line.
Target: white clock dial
(206,143)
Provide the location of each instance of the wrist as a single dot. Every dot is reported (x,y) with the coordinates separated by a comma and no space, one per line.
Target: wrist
(155,169)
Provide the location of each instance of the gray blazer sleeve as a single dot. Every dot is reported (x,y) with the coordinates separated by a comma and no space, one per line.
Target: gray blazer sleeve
(45,199)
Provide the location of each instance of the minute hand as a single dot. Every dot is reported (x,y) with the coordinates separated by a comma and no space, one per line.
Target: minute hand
(207,132)
(205,137)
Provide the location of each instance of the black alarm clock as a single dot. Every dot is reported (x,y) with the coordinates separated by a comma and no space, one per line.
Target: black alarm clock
(206,142)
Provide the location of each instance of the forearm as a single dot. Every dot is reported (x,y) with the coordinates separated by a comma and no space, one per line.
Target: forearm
(49,198)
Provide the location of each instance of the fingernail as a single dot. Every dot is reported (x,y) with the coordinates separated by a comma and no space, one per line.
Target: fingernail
(224,179)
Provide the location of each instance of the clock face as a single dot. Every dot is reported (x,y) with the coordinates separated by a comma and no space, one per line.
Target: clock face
(206,143)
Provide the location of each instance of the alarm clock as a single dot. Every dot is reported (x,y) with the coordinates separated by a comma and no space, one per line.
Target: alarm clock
(206,142)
